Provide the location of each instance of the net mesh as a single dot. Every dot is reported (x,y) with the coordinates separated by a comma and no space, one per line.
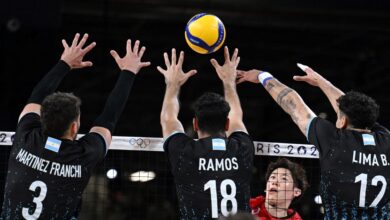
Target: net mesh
(134,180)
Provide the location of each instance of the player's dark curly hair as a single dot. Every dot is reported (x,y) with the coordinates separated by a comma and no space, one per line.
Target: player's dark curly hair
(212,111)
(58,111)
(297,172)
(361,110)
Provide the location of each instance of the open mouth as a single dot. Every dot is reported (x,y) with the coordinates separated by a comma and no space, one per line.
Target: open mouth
(273,190)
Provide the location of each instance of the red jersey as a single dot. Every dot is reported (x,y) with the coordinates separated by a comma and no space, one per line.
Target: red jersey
(258,208)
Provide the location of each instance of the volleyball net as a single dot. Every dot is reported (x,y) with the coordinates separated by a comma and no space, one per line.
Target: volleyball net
(134,180)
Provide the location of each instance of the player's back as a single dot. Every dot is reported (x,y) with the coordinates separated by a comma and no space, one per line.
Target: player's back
(46,176)
(212,175)
(355,173)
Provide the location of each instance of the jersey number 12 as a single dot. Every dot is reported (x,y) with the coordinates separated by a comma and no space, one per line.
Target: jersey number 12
(212,185)
(363,187)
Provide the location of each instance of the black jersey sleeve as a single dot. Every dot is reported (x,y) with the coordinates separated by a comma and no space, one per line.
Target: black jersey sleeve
(94,148)
(245,143)
(321,134)
(28,122)
(174,147)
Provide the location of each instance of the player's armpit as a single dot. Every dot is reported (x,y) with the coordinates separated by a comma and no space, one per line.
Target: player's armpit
(30,108)
(237,125)
(171,125)
(104,132)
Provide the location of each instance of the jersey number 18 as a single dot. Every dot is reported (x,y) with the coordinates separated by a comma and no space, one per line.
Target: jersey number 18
(212,185)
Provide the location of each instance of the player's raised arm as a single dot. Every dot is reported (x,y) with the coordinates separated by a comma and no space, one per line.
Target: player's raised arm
(315,79)
(130,65)
(287,98)
(228,73)
(174,79)
(71,58)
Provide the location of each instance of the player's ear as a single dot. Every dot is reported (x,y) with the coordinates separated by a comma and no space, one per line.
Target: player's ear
(297,192)
(342,122)
(227,124)
(74,128)
(195,124)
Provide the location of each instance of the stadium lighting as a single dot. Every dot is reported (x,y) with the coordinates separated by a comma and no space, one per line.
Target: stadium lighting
(112,173)
(142,176)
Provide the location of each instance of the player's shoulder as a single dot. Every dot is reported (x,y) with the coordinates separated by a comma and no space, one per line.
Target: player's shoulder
(177,137)
(240,136)
(29,121)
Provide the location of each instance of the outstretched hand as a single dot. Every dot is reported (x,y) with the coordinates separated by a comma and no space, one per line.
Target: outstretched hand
(227,72)
(174,74)
(312,77)
(248,76)
(132,60)
(74,54)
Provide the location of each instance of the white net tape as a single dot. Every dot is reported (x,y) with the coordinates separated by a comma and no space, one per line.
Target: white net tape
(156,144)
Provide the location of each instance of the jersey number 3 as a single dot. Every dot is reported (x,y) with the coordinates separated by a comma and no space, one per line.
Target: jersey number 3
(37,200)
(212,185)
(363,187)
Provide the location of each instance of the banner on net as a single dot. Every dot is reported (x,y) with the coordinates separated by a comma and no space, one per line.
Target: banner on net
(131,143)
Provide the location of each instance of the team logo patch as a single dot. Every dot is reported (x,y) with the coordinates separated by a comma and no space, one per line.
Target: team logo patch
(368,139)
(53,144)
(218,144)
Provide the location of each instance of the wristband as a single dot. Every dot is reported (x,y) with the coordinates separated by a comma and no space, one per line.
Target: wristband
(264,77)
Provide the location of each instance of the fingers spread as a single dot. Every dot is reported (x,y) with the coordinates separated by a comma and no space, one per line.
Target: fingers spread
(115,55)
(128,46)
(83,40)
(173,56)
(299,78)
(166,59)
(75,40)
(226,54)
(141,52)
(235,54)
(214,63)
(64,44)
(161,70)
(191,73)
(181,59)
(89,47)
(238,61)
(86,64)
(144,64)
(136,47)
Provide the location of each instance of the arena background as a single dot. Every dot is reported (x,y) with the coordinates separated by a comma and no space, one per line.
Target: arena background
(347,41)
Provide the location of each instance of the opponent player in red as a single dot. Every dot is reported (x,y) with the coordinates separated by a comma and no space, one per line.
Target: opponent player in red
(354,153)
(286,182)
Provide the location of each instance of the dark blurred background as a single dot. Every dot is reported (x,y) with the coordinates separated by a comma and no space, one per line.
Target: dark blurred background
(348,42)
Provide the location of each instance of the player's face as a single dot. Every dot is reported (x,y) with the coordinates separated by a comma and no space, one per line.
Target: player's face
(280,188)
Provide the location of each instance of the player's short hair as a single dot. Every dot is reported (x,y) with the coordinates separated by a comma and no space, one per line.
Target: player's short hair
(211,111)
(58,111)
(297,172)
(361,110)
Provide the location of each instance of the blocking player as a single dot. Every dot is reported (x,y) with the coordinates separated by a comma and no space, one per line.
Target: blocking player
(286,182)
(48,169)
(212,174)
(354,153)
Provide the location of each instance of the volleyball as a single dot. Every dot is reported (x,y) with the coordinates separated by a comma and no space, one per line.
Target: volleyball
(205,33)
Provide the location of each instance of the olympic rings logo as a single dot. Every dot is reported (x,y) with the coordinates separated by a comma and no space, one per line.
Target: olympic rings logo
(139,142)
